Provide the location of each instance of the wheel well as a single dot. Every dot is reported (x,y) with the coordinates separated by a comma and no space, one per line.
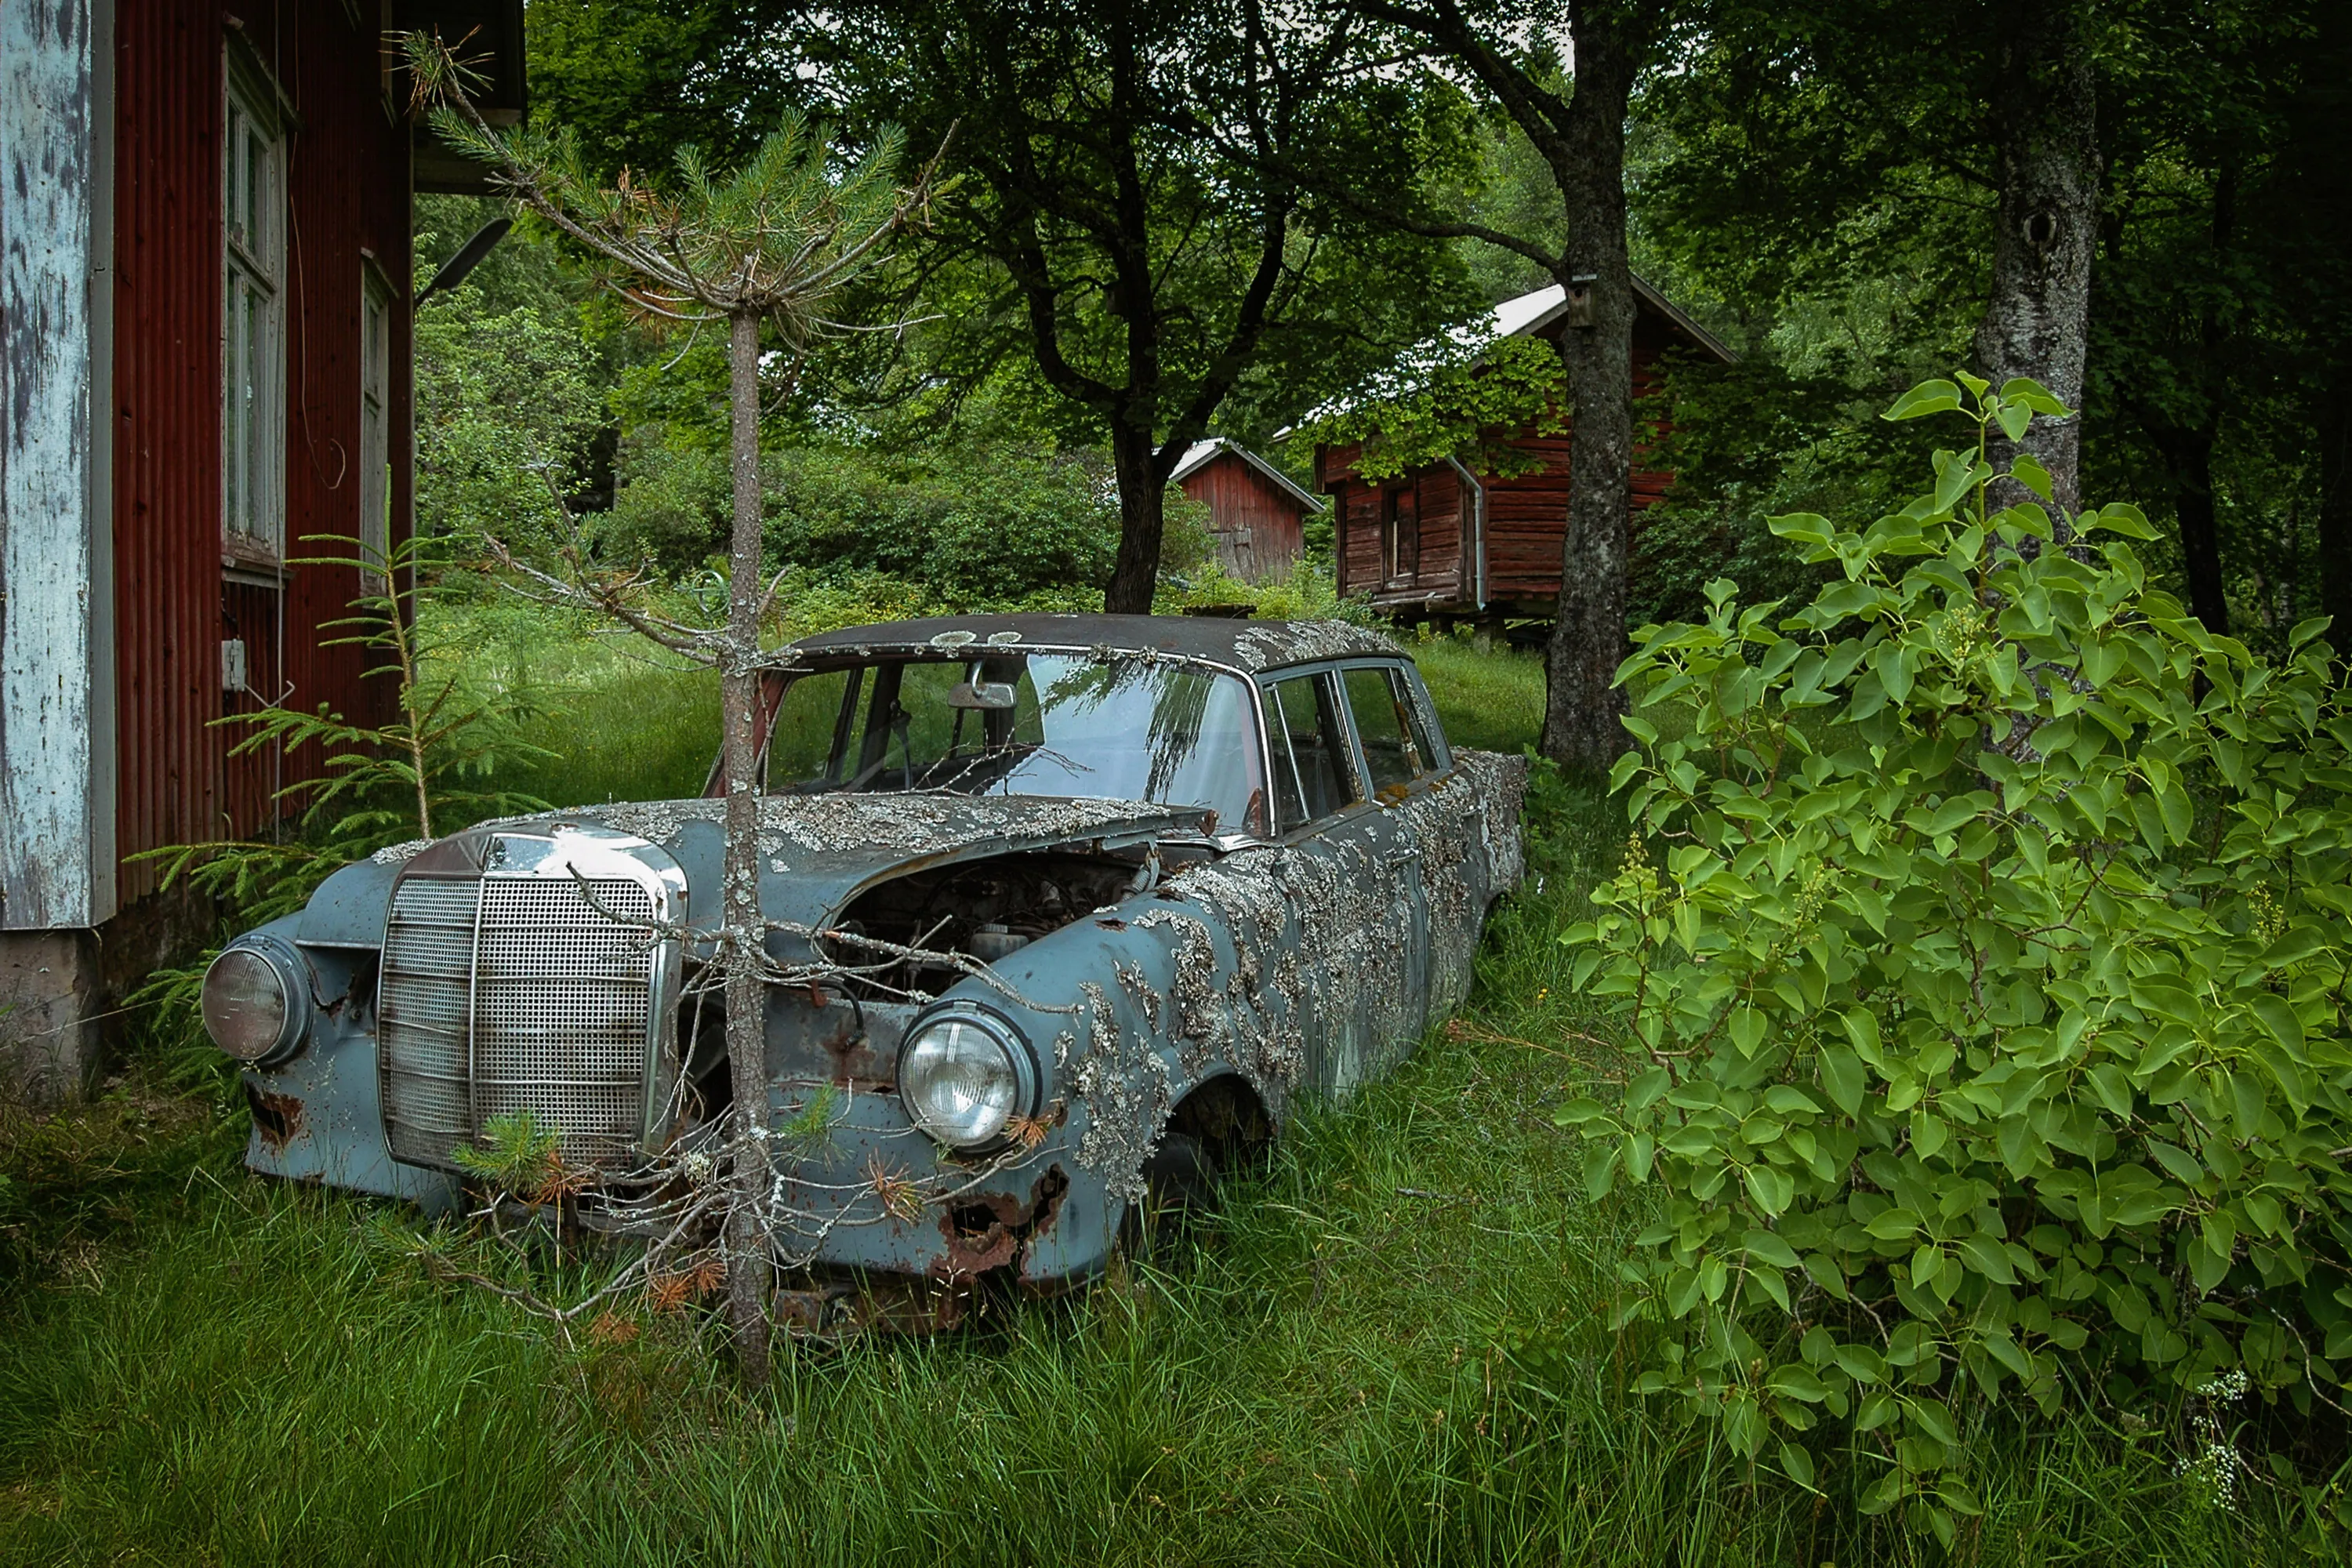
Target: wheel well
(1228,1117)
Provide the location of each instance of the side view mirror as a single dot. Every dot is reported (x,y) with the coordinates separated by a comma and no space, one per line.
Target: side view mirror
(996,695)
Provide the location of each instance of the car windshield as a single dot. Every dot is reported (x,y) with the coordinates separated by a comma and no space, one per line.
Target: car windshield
(1003,722)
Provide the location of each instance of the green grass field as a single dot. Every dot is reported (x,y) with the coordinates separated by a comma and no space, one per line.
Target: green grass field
(1390,1347)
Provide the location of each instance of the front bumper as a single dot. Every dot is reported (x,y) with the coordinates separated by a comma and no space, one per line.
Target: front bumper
(864,1195)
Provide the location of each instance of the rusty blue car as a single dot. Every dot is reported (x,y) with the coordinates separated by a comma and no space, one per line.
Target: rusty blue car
(1064,909)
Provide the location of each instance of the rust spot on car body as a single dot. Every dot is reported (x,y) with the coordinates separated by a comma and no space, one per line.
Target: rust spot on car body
(277,1116)
(989,1230)
(856,1065)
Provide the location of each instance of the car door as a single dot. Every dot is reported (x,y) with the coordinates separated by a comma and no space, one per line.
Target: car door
(1392,757)
(1350,879)
(1449,824)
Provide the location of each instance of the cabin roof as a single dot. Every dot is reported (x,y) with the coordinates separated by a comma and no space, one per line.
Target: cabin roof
(1529,314)
(1201,453)
(1525,315)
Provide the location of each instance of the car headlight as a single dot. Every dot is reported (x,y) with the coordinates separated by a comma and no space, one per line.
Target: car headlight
(964,1076)
(254,1006)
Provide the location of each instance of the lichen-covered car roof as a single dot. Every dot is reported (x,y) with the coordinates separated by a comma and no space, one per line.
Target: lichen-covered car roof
(1244,645)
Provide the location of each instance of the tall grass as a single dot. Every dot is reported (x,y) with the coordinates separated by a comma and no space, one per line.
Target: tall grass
(1391,1346)
(622,719)
(1494,702)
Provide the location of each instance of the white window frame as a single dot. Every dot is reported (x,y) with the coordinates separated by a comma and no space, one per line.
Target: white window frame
(253,319)
(376,428)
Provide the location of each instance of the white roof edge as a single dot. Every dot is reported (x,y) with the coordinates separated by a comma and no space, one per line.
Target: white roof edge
(1680,317)
(1197,457)
(1554,299)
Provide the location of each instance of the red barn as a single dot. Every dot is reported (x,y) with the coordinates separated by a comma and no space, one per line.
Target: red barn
(204,214)
(1256,515)
(1443,543)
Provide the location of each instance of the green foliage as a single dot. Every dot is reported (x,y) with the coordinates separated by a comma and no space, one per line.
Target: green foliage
(1824,172)
(777,238)
(507,405)
(615,723)
(1160,226)
(962,522)
(1754,440)
(1188,544)
(1467,398)
(1984,1023)
(1302,593)
(635,82)
(517,1155)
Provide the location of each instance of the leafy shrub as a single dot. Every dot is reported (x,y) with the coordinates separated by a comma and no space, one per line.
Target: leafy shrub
(1188,543)
(506,402)
(981,522)
(1305,593)
(1979,964)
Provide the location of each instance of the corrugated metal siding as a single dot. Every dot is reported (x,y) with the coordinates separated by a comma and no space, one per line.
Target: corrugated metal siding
(346,188)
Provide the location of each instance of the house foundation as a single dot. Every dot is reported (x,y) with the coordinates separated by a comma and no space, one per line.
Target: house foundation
(52,995)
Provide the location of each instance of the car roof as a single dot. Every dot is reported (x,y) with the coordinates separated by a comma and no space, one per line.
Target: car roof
(1217,639)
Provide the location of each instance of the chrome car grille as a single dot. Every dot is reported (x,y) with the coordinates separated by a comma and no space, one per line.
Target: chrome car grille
(506,993)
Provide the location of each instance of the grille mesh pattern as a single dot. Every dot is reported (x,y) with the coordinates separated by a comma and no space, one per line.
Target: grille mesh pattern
(515,994)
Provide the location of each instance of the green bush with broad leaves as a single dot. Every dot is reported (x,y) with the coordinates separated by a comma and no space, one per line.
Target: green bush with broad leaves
(1979,962)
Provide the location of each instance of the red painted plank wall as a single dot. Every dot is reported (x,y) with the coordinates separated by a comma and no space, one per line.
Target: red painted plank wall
(1526,516)
(347,187)
(1239,497)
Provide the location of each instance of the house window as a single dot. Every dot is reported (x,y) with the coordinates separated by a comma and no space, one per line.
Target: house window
(253,307)
(1400,534)
(376,416)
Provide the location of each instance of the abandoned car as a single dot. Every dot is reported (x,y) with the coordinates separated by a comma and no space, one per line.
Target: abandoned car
(1060,905)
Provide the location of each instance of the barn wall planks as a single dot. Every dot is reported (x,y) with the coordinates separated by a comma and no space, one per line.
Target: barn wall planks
(1257,525)
(57,860)
(1527,515)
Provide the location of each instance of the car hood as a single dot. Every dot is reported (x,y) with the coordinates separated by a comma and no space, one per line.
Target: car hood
(816,852)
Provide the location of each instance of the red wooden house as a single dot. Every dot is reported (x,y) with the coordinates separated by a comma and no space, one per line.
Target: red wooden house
(1256,515)
(205,216)
(1442,543)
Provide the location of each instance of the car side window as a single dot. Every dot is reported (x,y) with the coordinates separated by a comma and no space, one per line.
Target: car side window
(1427,732)
(1312,778)
(815,729)
(1395,752)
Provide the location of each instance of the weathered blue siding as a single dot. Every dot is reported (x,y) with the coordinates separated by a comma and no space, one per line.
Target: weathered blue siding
(57,815)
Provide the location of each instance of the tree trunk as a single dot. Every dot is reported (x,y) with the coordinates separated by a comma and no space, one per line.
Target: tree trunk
(2037,321)
(745,937)
(2332,416)
(1582,707)
(1142,509)
(2190,455)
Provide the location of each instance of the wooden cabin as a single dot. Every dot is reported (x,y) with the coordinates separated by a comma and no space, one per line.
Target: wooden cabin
(1256,515)
(1444,543)
(204,329)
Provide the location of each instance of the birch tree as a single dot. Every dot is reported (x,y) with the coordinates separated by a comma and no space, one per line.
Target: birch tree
(764,254)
